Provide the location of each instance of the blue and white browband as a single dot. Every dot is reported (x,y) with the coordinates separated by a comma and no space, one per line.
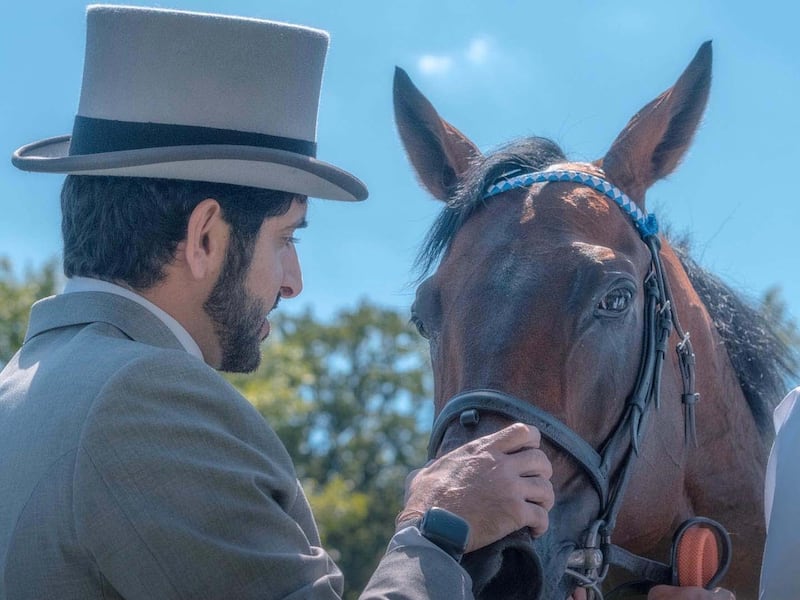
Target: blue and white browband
(646,224)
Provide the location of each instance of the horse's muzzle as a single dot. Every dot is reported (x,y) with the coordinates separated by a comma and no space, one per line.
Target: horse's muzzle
(520,568)
(508,569)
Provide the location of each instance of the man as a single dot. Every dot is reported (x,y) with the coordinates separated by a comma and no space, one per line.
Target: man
(131,468)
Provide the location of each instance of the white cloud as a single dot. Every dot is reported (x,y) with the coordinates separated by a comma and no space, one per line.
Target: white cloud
(431,64)
(478,50)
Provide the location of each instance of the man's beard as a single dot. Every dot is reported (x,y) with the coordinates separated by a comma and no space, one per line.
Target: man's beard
(237,316)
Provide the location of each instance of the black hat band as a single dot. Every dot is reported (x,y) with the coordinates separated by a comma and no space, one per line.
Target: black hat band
(96,136)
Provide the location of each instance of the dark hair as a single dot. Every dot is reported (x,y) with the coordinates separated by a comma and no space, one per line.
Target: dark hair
(128,228)
(526,154)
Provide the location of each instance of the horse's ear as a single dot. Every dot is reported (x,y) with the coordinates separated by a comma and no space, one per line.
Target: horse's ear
(657,137)
(439,152)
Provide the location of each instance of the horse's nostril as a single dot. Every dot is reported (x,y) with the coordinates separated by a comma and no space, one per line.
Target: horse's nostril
(519,578)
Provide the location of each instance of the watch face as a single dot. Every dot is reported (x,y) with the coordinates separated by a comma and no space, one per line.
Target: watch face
(447,530)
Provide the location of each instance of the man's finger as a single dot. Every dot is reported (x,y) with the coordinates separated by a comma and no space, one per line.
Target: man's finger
(530,462)
(538,520)
(540,491)
(514,438)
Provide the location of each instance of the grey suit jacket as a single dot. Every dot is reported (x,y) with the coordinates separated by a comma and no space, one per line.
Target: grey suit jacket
(131,469)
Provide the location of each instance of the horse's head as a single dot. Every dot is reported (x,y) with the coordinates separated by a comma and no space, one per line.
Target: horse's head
(541,294)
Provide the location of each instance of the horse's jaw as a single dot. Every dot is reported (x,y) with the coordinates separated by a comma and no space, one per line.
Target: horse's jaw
(516,568)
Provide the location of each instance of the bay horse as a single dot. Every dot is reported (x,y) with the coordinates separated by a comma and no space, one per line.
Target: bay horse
(556,301)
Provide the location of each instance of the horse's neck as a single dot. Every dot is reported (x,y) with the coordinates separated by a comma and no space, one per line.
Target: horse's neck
(724,474)
(724,419)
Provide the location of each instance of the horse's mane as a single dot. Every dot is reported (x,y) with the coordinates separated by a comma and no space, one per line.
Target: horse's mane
(762,362)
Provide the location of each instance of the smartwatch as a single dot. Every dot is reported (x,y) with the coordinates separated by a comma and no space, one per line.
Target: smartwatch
(447,530)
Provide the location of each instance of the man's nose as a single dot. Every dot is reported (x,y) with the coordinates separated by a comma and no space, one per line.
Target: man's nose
(292,283)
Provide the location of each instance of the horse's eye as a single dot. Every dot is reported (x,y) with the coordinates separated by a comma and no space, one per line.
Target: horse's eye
(615,302)
(417,322)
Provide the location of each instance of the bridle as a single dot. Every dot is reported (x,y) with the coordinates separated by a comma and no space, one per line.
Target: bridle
(589,562)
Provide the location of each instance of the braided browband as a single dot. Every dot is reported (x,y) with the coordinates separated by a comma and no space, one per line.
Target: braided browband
(646,224)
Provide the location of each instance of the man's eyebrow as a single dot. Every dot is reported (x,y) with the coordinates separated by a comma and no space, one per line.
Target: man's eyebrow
(300,224)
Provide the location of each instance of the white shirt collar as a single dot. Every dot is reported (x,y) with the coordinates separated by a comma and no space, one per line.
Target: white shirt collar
(88,284)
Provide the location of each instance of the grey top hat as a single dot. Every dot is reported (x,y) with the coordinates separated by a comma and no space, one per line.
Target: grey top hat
(202,97)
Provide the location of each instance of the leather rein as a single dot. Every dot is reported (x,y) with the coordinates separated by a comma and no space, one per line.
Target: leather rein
(589,562)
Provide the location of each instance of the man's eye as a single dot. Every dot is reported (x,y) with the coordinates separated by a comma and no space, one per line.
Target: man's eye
(292,240)
(417,322)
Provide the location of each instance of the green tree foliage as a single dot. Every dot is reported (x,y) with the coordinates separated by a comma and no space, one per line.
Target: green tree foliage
(350,399)
(16,297)
(783,323)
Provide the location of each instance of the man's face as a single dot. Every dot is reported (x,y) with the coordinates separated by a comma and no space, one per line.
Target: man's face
(243,295)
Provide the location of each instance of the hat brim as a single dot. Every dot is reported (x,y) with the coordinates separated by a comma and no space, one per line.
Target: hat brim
(238,165)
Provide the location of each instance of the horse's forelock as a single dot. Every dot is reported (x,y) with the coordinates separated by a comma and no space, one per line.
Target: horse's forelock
(528,154)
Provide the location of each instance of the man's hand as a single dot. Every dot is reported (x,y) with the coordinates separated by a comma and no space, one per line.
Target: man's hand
(498,483)
(668,592)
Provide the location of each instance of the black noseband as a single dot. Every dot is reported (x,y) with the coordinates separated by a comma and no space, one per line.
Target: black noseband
(469,405)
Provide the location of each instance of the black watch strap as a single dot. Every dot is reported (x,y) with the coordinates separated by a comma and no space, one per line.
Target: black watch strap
(447,530)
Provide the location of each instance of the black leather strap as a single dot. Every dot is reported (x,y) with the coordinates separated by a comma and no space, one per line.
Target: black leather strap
(517,410)
(652,570)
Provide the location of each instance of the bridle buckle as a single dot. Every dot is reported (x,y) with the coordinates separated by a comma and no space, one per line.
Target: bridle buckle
(588,564)
(587,559)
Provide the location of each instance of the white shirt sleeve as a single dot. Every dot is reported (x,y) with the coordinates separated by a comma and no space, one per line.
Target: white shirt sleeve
(779,579)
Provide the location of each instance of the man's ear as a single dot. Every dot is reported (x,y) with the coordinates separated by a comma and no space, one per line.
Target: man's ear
(206,240)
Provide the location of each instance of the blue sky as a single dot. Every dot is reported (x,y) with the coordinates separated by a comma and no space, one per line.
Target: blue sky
(572,71)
